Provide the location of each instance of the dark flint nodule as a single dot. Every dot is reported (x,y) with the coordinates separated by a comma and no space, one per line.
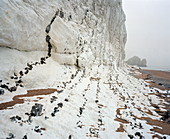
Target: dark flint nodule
(60,105)
(69,137)
(66,100)
(137,134)
(61,14)
(131,136)
(48,28)
(25,137)
(21,73)
(14,88)
(4,86)
(2,91)
(36,110)
(48,38)
(11,136)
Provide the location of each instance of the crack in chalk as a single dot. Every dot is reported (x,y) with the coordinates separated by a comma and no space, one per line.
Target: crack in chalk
(18,80)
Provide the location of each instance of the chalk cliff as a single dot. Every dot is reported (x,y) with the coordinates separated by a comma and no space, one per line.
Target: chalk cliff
(81,33)
(93,27)
(62,74)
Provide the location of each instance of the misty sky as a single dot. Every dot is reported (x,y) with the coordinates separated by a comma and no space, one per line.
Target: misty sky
(148,30)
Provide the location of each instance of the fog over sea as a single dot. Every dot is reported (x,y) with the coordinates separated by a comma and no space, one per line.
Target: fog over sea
(147,24)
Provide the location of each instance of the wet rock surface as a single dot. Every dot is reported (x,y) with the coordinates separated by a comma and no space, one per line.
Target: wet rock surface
(162,78)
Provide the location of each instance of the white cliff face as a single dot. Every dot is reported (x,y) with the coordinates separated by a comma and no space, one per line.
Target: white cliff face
(92,27)
(81,33)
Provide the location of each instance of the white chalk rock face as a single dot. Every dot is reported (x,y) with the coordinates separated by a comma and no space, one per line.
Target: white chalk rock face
(77,26)
(80,32)
(22,24)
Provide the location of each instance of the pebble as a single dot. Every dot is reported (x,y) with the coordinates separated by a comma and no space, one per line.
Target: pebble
(2,91)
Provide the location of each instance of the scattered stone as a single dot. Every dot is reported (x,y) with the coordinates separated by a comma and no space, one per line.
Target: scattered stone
(94,131)
(46,117)
(25,137)
(66,100)
(100,120)
(60,105)
(69,137)
(11,136)
(140,126)
(15,118)
(96,101)
(18,117)
(29,66)
(52,114)
(36,110)
(29,120)
(21,85)
(70,17)
(54,98)
(2,91)
(43,59)
(37,129)
(61,14)
(15,78)
(26,72)
(72,76)
(56,109)
(137,134)
(81,110)
(80,126)
(166,115)
(42,62)
(12,89)
(4,86)
(131,136)
(21,73)
(19,81)
(27,114)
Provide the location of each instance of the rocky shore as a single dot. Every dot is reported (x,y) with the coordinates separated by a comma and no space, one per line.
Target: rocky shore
(160,79)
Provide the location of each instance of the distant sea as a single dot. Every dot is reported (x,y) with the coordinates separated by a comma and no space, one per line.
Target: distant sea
(157,68)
